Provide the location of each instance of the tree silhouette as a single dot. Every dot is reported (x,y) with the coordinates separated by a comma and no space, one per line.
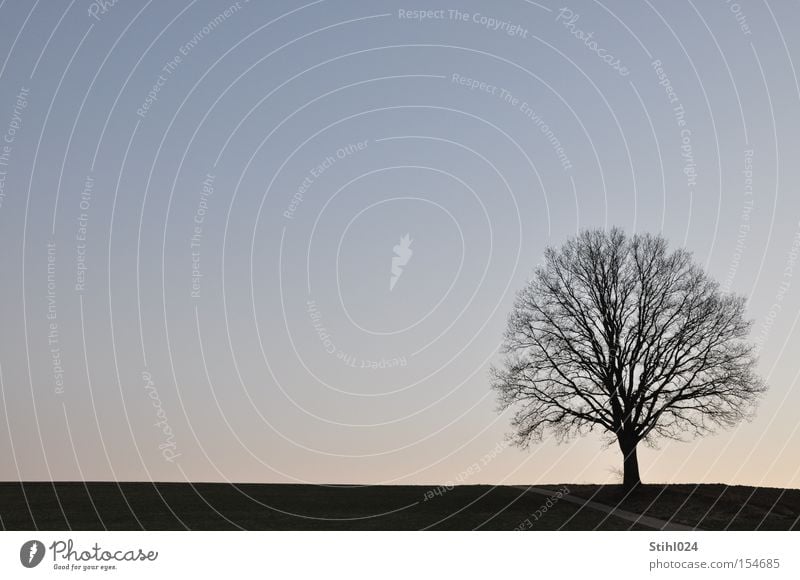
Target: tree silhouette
(620,335)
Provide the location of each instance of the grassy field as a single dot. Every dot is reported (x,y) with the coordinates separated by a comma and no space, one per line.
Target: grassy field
(208,506)
(707,506)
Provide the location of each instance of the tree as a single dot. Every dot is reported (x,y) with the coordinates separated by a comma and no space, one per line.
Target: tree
(620,335)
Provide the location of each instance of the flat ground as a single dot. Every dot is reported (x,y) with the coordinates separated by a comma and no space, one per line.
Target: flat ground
(705,506)
(210,506)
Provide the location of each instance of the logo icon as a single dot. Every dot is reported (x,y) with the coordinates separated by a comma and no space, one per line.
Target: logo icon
(31,553)
(403,253)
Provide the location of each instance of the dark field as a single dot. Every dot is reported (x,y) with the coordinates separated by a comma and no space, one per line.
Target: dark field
(208,506)
(706,506)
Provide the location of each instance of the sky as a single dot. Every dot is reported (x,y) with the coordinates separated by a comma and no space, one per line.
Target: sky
(278,241)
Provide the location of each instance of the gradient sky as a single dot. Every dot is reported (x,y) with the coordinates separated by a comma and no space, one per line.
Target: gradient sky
(298,143)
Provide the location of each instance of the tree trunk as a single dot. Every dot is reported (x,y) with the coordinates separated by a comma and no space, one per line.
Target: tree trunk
(630,478)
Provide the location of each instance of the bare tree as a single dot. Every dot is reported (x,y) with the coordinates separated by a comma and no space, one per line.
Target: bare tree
(620,335)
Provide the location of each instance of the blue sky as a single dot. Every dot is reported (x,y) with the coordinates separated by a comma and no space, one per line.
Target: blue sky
(200,203)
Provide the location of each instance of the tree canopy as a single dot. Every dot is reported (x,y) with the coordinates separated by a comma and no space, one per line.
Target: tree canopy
(619,334)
